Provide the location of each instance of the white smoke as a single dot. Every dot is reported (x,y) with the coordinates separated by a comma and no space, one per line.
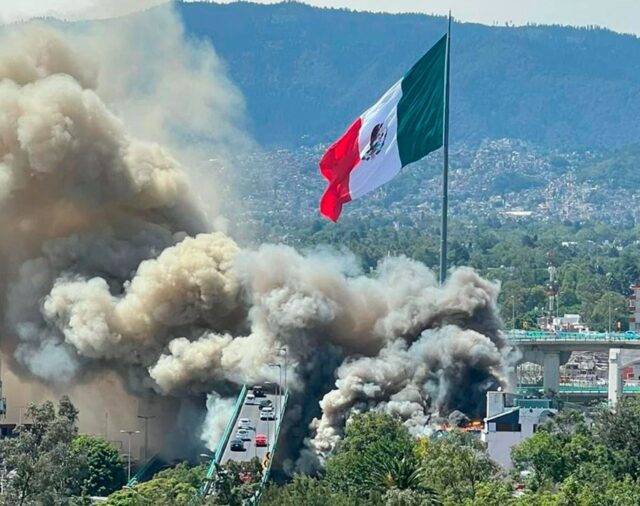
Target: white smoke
(110,263)
(219,411)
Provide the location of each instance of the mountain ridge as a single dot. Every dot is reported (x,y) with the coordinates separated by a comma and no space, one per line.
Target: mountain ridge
(307,72)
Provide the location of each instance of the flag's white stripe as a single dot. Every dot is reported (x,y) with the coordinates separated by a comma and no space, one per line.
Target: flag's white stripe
(372,173)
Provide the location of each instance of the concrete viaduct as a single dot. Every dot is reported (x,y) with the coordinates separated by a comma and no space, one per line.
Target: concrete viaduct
(551,350)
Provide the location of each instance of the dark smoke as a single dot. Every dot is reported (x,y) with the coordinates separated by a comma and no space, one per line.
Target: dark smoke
(111,264)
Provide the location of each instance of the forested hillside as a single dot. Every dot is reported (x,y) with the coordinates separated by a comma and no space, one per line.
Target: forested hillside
(307,72)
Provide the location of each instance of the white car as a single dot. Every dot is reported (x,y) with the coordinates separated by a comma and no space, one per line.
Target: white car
(244,423)
(267,414)
(243,434)
(250,398)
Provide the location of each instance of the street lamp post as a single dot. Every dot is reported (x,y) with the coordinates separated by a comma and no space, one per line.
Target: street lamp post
(279,390)
(268,431)
(146,419)
(284,351)
(129,433)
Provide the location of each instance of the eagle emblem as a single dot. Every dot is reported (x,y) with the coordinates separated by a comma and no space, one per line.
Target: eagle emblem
(376,143)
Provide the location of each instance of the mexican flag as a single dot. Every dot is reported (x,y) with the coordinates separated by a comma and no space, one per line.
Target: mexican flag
(405,125)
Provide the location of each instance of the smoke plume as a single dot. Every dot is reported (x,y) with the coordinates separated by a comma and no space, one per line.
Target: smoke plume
(111,263)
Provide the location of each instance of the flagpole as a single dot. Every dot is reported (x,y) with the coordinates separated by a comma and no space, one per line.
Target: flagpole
(445,168)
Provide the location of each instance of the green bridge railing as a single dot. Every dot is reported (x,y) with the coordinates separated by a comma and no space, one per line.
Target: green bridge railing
(217,457)
(539,335)
(151,467)
(579,389)
(255,500)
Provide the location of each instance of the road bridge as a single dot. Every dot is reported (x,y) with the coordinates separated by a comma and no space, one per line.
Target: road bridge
(571,390)
(247,407)
(552,349)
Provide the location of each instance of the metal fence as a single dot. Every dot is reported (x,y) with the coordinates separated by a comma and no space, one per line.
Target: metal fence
(535,335)
(215,461)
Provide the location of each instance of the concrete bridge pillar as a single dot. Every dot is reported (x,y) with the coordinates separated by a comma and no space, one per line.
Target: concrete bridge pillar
(551,371)
(615,376)
(512,379)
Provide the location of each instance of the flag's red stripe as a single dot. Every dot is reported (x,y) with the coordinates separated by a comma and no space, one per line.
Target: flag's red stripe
(336,165)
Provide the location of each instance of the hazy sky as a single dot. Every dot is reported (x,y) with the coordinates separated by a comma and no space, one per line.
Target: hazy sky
(618,15)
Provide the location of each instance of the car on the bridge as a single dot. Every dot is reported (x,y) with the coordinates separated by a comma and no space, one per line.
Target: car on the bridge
(267,414)
(630,334)
(237,445)
(265,403)
(244,423)
(261,440)
(243,434)
(258,391)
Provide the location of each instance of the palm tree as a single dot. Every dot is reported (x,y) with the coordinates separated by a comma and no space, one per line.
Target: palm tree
(403,473)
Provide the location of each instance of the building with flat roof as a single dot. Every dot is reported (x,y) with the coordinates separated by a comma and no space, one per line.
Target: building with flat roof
(511,419)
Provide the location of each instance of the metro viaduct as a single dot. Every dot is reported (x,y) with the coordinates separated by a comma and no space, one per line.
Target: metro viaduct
(551,350)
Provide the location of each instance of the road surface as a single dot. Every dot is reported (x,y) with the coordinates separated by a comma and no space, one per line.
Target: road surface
(250,410)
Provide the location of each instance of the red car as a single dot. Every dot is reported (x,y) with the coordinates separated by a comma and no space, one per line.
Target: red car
(261,440)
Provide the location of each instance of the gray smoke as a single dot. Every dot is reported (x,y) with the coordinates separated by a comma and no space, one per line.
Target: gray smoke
(110,264)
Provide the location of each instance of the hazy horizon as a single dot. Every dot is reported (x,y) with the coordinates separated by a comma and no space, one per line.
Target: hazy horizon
(618,15)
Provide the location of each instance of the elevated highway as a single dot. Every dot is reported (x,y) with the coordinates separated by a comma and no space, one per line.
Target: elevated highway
(570,390)
(250,410)
(573,341)
(247,408)
(552,349)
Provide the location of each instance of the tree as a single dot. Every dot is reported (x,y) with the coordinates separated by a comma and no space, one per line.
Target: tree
(408,497)
(235,482)
(541,454)
(104,470)
(165,491)
(370,438)
(404,473)
(456,465)
(307,491)
(619,430)
(40,458)
(492,493)
(610,309)
(562,448)
(184,473)
(176,486)
(401,474)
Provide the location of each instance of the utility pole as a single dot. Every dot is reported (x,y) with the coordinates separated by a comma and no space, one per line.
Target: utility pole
(129,433)
(146,419)
(513,312)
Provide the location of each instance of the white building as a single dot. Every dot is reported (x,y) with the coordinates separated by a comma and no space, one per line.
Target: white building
(566,323)
(510,419)
(634,310)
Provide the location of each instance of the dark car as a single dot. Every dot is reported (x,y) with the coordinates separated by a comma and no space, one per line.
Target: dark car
(266,403)
(258,391)
(237,445)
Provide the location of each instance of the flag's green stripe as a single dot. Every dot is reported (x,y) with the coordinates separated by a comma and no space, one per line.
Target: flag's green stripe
(420,110)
